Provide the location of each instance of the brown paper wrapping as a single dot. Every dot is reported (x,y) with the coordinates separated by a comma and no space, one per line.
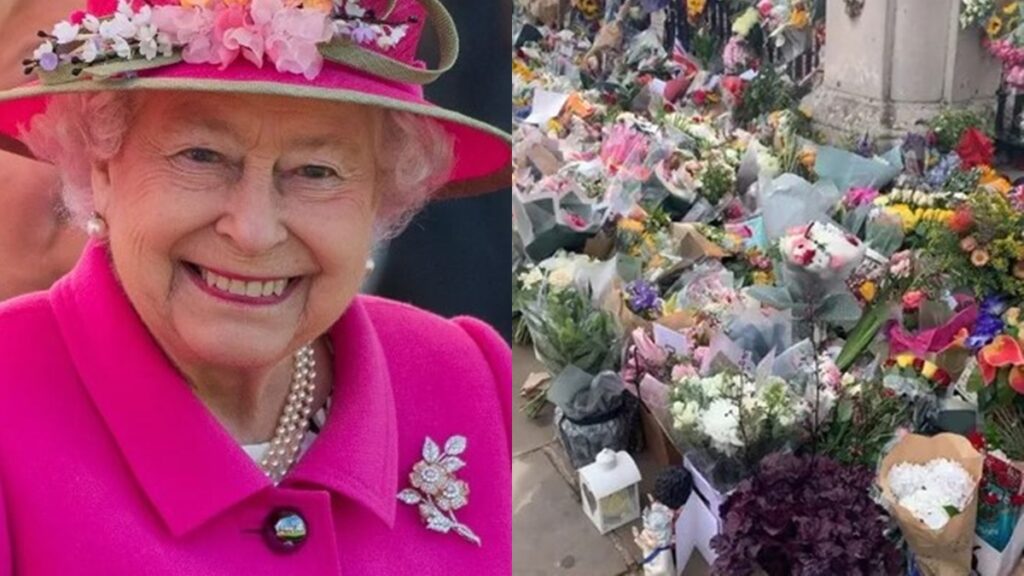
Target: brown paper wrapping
(615,304)
(692,245)
(945,552)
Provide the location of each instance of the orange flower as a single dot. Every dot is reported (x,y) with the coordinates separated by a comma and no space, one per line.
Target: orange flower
(961,221)
(1003,352)
(979,257)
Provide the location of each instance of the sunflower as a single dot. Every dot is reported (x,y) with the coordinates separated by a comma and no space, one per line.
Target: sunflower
(994,26)
(590,9)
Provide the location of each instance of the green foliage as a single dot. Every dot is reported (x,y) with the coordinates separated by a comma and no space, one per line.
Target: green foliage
(717,181)
(566,328)
(949,126)
(766,93)
(863,424)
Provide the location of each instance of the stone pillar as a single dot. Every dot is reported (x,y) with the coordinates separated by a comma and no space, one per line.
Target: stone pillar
(899,62)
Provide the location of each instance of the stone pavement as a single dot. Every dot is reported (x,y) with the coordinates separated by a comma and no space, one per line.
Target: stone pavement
(551,534)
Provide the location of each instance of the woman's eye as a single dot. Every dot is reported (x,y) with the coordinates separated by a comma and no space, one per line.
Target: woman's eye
(201,155)
(316,172)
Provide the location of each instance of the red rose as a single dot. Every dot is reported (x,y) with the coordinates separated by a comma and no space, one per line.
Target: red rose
(990,498)
(1017,499)
(975,149)
(977,440)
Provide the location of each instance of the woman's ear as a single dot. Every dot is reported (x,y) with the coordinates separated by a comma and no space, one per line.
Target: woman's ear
(101,185)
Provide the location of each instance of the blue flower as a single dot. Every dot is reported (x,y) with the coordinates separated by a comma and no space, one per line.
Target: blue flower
(993,305)
(985,330)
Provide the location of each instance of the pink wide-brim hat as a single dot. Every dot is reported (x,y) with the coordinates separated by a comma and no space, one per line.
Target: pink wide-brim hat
(367,75)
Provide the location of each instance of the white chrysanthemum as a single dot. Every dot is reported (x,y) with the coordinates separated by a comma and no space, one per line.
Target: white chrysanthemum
(685,414)
(531,278)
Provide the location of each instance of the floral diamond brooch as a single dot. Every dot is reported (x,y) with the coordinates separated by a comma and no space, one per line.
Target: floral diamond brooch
(436,491)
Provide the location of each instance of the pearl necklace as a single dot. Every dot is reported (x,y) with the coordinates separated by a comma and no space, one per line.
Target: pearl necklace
(291,427)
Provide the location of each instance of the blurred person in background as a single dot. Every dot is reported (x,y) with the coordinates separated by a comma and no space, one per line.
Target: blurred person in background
(37,244)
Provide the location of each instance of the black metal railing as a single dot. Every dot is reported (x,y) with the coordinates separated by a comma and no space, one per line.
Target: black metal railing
(716,20)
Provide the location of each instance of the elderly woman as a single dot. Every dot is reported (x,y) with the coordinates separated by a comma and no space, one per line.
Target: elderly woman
(205,393)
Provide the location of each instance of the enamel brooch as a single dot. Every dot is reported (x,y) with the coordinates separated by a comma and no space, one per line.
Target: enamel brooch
(436,491)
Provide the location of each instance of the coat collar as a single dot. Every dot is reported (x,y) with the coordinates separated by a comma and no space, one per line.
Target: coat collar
(187,464)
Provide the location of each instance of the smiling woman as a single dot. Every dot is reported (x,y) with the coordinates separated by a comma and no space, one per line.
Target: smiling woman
(207,384)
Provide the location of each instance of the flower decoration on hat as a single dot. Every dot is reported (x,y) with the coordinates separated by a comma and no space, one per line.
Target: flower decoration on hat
(436,491)
(289,34)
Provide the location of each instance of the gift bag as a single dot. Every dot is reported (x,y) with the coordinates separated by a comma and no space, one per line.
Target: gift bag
(946,551)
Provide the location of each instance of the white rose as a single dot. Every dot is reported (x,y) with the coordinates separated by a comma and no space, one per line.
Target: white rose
(561,278)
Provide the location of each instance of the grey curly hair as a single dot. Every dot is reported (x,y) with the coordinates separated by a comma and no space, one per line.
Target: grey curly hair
(414,154)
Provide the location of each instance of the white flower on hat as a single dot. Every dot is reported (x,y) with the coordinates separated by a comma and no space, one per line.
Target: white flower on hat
(118,27)
(354,10)
(65,32)
(90,51)
(391,36)
(91,23)
(43,49)
(148,46)
(123,49)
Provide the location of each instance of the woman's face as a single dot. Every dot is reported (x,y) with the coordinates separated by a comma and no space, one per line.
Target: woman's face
(239,225)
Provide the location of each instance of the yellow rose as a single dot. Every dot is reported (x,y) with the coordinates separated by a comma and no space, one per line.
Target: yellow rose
(1012,316)
(868,291)
(630,225)
(905,360)
(929,369)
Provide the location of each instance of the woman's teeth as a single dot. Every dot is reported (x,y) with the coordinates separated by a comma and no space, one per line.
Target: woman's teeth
(243,288)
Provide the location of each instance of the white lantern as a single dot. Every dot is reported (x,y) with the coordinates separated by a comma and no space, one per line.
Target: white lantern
(610,488)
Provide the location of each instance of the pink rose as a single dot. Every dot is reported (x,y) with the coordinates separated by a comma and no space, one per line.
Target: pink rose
(764,7)
(649,352)
(77,17)
(912,300)
(681,371)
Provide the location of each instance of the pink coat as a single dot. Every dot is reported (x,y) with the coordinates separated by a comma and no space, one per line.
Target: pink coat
(110,465)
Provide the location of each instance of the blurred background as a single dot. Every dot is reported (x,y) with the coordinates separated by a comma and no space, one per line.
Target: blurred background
(454,258)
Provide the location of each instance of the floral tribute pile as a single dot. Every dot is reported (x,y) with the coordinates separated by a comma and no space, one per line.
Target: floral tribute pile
(788,312)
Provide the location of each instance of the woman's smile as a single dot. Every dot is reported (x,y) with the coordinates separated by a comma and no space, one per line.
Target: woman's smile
(263,290)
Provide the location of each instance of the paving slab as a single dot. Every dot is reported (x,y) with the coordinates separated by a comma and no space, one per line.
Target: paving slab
(550,533)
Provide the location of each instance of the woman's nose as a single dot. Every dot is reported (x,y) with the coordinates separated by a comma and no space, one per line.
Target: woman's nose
(252,217)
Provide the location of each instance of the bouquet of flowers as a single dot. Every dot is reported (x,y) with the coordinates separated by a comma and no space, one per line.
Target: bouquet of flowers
(999,494)
(565,326)
(735,420)
(929,486)
(981,246)
(866,417)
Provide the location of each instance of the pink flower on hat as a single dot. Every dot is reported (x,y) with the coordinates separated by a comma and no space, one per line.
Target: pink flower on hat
(234,34)
(292,36)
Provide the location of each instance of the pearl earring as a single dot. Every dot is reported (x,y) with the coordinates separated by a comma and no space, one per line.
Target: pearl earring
(370,265)
(96,226)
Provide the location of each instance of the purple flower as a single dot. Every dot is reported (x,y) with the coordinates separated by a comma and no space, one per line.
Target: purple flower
(643,297)
(993,305)
(49,61)
(985,330)
(363,33)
